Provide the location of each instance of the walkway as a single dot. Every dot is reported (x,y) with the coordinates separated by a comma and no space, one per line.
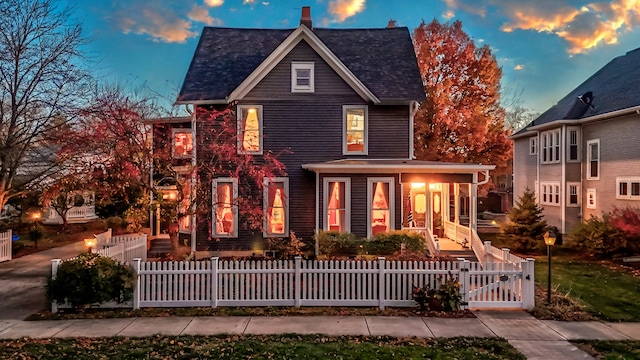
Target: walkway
(536,339)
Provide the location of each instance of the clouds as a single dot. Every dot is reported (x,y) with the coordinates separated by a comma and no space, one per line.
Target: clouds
(201,14)
(343,9)
(582,24)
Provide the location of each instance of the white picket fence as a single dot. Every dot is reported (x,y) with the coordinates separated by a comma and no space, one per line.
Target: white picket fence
(492,254)
(327,283)
(5,246)
(123,248)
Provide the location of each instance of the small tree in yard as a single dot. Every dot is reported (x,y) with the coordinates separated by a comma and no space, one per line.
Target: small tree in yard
(526,225)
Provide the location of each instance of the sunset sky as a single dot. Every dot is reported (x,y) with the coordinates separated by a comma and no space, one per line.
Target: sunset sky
(545,47)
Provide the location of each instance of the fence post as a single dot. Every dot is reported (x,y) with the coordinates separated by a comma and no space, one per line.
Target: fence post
(54,273)
(463,270)
(298,281)
(143,239)
(214,282)
(136,284)
(382,290)
(487,251)
(528,285)
(505,255)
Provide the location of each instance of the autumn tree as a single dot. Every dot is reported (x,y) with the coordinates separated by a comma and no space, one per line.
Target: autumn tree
(40,74)
(517,116)
(461,119)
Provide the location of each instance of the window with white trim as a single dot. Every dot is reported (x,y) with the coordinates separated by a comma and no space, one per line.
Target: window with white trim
(628,187)
(533,146)
(591,198)
(225,208)
(250,129)
(182,143)
(276,207)
(573,194)
(550,193)
(593,159)
(302,77)
(355,126)
(550,147)
(573,149)
(337,204)
(380,205)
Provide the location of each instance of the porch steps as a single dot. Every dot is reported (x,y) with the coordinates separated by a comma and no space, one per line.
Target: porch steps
(466,254)
(159,246)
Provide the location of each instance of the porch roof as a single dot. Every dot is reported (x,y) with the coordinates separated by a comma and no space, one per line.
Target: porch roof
(358,166)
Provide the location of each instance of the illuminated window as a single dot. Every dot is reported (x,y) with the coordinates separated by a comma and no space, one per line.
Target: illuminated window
(276,207)
(591,198)
(182,143)
(250,129)
(302,74)
(380,205)
(337,200)
(225,193)
(355,130)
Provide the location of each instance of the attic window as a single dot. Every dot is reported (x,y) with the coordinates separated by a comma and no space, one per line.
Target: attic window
(302,77)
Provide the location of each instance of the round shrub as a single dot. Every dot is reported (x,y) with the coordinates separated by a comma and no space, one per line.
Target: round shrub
(91,279)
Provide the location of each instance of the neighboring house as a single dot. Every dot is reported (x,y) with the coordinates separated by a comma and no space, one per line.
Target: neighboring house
(82,209)
(582,156)
(342,101)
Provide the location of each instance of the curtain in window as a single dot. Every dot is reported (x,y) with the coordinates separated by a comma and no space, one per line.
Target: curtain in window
(251,130)
(336,208)
(224,213)
(380,208)
(276,212)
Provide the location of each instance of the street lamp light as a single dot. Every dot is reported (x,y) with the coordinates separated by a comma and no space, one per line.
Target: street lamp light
(549,240)
(90,243)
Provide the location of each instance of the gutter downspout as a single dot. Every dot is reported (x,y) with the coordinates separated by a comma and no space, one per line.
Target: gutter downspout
(194,157)
(413,109)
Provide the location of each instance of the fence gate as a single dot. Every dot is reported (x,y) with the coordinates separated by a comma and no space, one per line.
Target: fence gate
(5,246)
(501,285)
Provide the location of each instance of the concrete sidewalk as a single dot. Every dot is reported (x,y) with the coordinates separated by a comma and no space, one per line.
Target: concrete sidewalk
(534,338)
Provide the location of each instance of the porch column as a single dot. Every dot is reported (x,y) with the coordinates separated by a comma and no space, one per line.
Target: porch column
(473,203)
(456,203)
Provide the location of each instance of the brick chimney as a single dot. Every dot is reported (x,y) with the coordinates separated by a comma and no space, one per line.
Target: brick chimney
(306,17)
(391,24)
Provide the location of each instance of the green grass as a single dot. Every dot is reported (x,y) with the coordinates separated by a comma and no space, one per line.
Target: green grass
(611,350)
(609,294)
(260,347)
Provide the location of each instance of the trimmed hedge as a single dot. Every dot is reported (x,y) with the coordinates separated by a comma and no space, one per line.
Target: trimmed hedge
(333,243)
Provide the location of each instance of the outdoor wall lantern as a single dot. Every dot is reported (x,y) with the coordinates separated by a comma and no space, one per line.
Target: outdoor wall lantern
(549,240)
(90,243)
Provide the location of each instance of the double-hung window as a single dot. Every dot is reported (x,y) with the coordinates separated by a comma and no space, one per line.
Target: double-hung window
(533,146)
(225,208)
(182,143)
(302,77)
(550,193)
(550,147)
(628,187)
(573,194)
(276,207)
(572,144)
(355,130)
(250,129)
(593,159)
(380,205)
(337,208)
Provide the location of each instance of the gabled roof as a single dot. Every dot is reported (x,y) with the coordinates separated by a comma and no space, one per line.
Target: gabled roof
(614,87)
(380,64)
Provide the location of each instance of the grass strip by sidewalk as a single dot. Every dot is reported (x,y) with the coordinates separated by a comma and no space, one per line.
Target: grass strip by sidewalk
(261,347)
(610,350)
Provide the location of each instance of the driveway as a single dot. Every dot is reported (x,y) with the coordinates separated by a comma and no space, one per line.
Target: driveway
(22,281)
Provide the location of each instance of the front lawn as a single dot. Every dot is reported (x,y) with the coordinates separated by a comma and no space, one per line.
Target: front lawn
(607,292)
(611,350)
(260,347)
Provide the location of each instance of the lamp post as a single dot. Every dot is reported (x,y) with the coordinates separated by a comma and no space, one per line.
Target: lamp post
(549,240)
(90,243)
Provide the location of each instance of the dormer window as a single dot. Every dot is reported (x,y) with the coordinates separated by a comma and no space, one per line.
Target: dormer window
(182,143)
(302,77)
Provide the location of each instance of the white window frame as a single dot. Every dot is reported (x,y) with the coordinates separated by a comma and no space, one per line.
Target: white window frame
(265,206)
(629,181)
(392,198)
(590,143)
(347,201)
(550,147)
(295,87)
(576,186)
(577,144)
(175,131)
(533,145)
(591,193)
(234,206)
(345,150)
(550,193)
(241,129)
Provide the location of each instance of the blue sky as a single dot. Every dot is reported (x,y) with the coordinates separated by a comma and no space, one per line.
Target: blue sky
(545,47)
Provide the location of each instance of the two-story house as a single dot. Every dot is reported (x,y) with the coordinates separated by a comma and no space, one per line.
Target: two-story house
(582,156)
(342,102)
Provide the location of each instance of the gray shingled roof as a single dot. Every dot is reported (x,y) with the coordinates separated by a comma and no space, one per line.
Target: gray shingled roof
(614,87)
(383,59)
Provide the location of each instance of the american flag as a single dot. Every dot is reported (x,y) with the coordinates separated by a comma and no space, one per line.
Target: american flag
(410,221)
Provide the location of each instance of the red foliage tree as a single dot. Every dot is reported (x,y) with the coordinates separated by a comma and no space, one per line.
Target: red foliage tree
(627,220)
(462,119)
